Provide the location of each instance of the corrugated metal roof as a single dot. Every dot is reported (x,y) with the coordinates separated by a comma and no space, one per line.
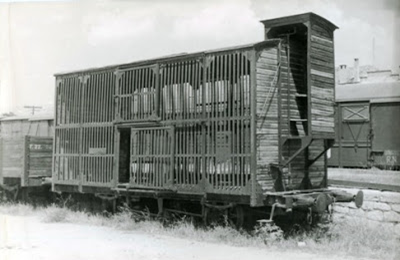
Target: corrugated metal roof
(368,91)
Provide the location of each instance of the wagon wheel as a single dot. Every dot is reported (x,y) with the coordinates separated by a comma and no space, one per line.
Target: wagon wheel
(236,216)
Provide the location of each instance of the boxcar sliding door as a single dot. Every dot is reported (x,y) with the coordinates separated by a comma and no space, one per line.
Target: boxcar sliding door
(354,135)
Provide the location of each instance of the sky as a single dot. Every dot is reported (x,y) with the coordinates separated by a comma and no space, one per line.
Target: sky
(41,38)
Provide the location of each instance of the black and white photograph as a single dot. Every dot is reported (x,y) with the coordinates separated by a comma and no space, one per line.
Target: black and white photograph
(203,129)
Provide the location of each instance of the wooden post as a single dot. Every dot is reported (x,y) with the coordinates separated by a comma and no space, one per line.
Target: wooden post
(308,75)
(116,157)
(158,91)
(83,81)
(253,127)
(203,125)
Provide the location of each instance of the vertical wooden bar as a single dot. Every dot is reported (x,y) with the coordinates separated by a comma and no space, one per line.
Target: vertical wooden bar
(180,85)
(97,102)
(235,78)
(139,92)
(110,97)
(115,164)
(171,91)
(190,84)
(243,114)
(157,89)
(308,75)
(203,126)
(107,96)
(195,87)
(146,89)
(67,102)
(103,99)
(116,98)
(166,92)
(253,126)
(279,106)
(186,93)
(101,105)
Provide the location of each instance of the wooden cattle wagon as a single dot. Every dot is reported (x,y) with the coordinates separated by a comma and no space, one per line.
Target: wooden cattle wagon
(25,152)
(367,119)
(246,125)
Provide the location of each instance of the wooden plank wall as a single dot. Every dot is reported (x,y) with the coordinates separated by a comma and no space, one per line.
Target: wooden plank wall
(293,111)
(267,115)
(12,157)
(38,158)
(322,79)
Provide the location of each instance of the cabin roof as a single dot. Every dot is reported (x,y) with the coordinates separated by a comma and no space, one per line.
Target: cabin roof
(300,18)
(173,57)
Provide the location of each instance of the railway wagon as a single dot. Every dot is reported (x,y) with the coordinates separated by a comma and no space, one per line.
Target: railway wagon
(367,120)
(245,126)
(26,148)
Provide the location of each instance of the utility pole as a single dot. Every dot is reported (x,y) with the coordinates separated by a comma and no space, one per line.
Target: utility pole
(33,108)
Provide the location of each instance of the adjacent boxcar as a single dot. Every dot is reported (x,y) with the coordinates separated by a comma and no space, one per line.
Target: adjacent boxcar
(25,152)
(367,119)
(246,125)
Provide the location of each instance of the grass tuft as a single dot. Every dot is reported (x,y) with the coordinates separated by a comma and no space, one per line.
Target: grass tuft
(19,209)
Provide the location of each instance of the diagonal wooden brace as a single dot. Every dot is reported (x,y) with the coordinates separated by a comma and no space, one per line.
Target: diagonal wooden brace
(327,144)
(305,142)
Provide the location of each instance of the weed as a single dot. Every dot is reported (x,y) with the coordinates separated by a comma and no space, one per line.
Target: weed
(20,209)
(54,214)
(268,233)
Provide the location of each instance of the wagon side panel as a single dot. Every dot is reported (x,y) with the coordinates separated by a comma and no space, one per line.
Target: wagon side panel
(267,70)
(38,160)
(12,159)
